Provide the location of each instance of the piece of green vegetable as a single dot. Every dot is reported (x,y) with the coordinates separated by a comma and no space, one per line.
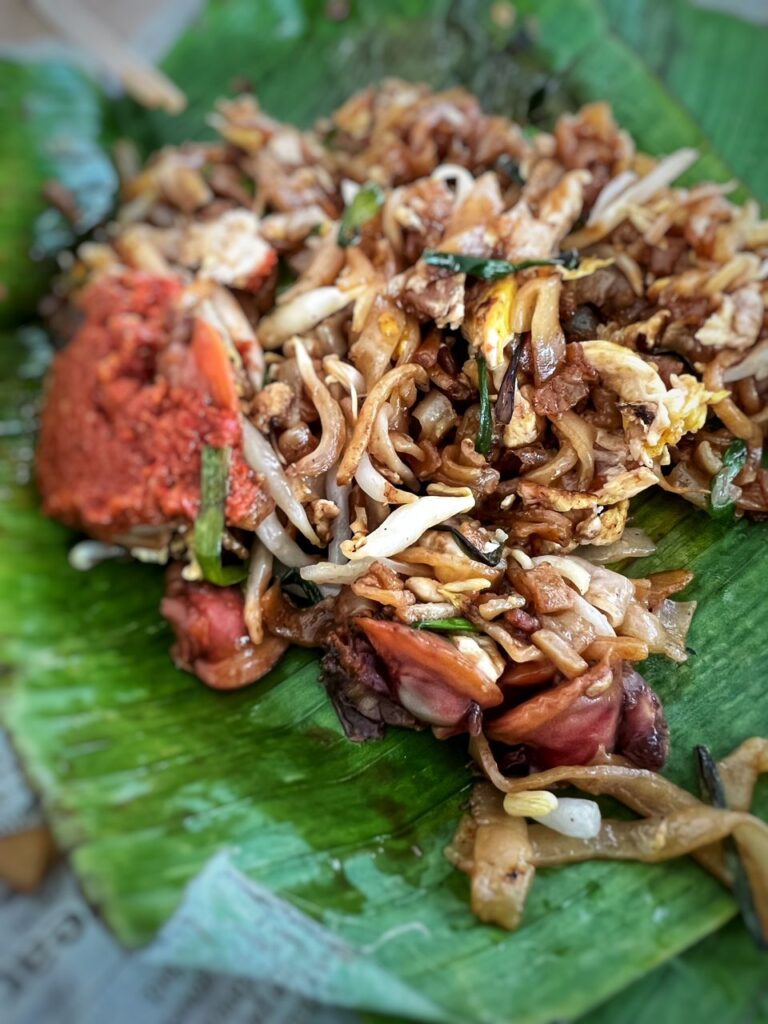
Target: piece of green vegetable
(308,592)
(485,428)
(209,525)
(721,500)
(364,206)
(490,269)
(712,788)
(457,625)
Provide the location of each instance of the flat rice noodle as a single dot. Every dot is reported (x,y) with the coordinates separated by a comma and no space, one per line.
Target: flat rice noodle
(644,792)
(737,422)
(499,865)
(651,839)
(565,459)
(377,396)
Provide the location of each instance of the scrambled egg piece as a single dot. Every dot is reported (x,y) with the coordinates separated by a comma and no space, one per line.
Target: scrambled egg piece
(488,322)
(654,417)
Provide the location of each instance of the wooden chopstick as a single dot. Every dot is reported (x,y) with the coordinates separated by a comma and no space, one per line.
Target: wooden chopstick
(148,85)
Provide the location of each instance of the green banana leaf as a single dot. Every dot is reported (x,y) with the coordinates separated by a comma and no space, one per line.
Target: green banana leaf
(146,774)
(52,127)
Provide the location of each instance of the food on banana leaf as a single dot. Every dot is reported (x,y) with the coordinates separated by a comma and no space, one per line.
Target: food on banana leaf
(364,391)
(500,851)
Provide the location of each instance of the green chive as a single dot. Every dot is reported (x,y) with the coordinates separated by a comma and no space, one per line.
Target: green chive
(713,789)
(457,625)
(309,593)
(210,521)
(364,206)
(491,269)
(721,502)
(485,428)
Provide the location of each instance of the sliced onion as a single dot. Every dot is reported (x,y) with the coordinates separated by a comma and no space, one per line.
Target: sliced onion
(378,487)
(273,536)
(406,524)
(261,457)
(303,313)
